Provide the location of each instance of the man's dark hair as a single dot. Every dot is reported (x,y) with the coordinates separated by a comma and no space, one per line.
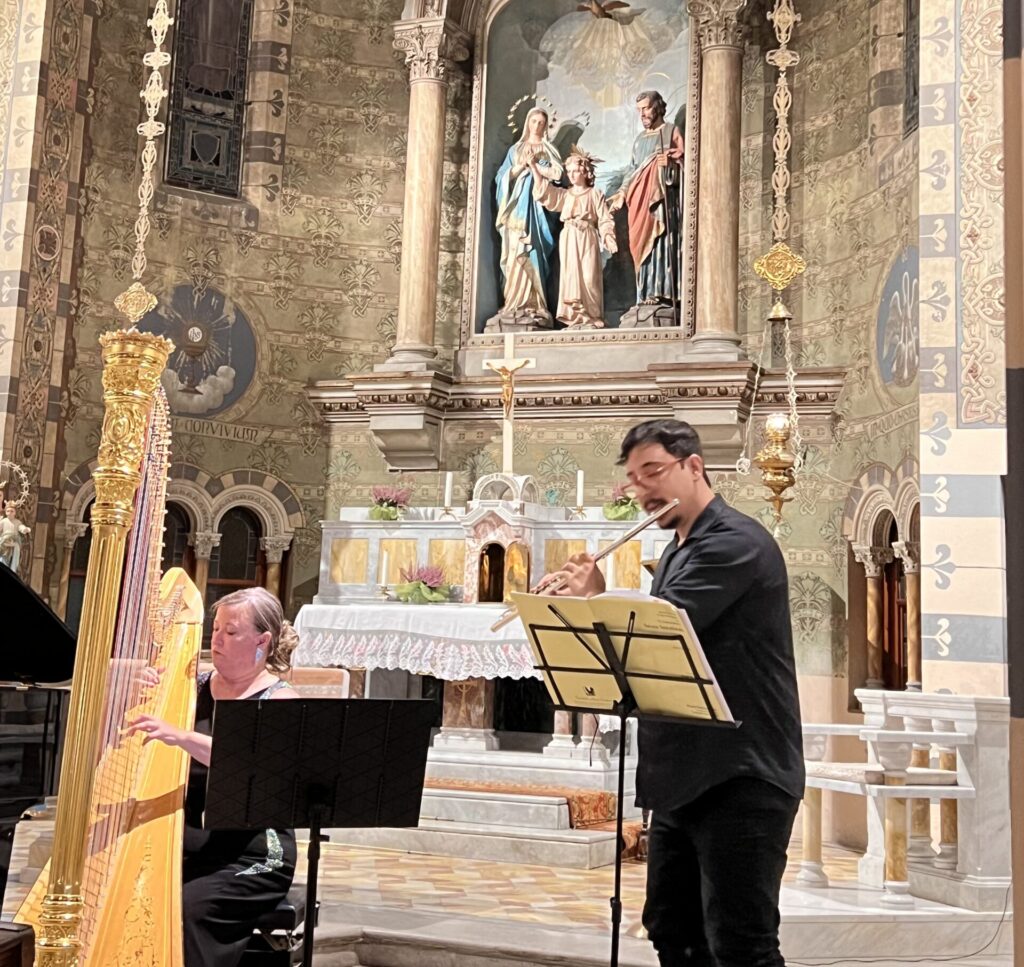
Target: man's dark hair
(677,437)
(657,101)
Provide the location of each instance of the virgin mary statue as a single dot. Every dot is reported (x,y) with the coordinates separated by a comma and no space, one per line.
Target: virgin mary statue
(527,234)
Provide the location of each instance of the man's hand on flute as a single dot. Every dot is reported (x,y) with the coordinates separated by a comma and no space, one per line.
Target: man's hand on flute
(580,576)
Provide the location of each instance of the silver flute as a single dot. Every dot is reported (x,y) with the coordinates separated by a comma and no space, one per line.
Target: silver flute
(555,583)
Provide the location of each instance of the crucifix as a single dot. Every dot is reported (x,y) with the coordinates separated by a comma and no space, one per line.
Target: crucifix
(507,367)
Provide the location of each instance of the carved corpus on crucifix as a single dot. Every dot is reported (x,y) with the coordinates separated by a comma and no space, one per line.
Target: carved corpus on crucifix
(507,367)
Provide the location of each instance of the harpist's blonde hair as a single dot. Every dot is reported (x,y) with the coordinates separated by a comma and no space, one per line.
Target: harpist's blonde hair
(266,614)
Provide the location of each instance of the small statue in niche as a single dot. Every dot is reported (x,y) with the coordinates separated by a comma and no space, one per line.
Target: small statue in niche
(651,193)
(12,531)
(527,235)
(587,224)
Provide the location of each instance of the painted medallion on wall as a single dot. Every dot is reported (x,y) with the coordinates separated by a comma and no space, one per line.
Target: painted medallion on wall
(564,140)
(214,361)
(897,342)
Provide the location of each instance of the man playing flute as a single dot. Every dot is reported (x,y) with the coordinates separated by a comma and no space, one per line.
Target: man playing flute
(723,800)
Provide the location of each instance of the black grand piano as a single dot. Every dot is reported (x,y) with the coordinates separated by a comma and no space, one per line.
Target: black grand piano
(37,656)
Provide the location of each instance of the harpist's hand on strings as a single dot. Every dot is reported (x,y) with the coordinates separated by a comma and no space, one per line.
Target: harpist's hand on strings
(150,676)
(153,728)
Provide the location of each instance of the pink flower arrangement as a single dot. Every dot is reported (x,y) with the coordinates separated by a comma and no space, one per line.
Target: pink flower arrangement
(430,574)
(386,496)
(621,494)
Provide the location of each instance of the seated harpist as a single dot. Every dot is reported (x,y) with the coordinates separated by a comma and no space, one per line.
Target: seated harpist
(229,877)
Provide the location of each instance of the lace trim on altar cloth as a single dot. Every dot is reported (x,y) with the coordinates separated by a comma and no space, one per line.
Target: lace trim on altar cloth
(421,655)
(275,857)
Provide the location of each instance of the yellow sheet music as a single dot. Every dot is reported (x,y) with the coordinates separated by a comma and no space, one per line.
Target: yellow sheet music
(665,666)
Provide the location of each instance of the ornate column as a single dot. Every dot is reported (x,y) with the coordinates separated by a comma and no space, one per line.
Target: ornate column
(718,241)
(203,543)
(909,552)
(563,740)
(274,548)
(71,534)
(430,47)
(873,559)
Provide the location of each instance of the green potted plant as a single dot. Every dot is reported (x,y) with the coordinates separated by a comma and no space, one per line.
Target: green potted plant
(423,585)
(622,506)
(389,502)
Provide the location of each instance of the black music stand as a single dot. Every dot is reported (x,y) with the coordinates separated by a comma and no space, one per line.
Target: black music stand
(315,763)
(602,681)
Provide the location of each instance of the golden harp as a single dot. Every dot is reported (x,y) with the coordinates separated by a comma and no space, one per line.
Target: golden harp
(111,894)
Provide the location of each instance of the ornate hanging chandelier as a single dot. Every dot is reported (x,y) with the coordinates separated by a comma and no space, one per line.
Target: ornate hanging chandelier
(780,266)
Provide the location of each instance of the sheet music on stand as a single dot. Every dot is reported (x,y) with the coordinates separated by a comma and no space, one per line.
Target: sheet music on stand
(622,654)
(656,657)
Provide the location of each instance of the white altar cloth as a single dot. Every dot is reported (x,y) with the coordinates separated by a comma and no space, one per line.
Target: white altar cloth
(452,642)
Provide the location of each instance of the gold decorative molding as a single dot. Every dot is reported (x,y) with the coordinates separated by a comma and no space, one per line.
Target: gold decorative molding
(780,266)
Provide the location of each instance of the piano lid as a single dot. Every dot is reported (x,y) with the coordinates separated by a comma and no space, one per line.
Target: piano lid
(43,647)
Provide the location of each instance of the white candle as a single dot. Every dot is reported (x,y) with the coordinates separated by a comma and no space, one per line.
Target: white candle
(510,342)
(449,483)
(609,572)
(384,568)
(579,488)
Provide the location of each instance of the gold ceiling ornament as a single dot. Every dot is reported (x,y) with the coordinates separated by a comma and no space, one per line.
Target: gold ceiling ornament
(136,302)
(780,266)
(776,462)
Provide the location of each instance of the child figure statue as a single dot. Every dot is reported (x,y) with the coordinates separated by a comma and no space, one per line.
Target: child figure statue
(587,224)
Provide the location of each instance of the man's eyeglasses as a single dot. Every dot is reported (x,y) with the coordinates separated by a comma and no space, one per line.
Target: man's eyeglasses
(644,476)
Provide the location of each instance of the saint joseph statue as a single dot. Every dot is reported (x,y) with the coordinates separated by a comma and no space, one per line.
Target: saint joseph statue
(651,193)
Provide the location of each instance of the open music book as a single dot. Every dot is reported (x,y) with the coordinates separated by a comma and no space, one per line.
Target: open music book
(655,655)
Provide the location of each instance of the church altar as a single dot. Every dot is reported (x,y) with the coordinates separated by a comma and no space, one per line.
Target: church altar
(452,642)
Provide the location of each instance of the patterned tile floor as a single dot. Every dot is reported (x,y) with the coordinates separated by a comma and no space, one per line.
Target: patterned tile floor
(484,888)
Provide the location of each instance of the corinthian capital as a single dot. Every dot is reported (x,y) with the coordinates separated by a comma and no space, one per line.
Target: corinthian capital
(718,22)
(204,542)
(274,548)
(430,47)
(73,531)
(873,558)
(909,552)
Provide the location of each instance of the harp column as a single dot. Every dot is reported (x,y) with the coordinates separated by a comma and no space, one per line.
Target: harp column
(431,47)
(718,238)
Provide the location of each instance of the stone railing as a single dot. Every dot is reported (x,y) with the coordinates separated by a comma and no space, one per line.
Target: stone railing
(921,748)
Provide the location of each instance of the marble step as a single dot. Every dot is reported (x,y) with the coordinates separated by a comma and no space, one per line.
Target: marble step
(580,849)
(494,808)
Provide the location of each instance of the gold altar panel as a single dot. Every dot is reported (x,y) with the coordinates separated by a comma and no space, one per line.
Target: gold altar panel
(627,565)
(349,559)
(450,555)
(517,569)
(401,554)
(557,552)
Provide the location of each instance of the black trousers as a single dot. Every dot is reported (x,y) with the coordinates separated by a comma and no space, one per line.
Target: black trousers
(714,872)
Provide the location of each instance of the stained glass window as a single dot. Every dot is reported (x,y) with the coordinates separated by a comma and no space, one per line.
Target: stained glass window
(206,118)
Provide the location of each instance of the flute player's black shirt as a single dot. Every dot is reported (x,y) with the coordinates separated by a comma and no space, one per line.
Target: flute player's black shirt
(730,577)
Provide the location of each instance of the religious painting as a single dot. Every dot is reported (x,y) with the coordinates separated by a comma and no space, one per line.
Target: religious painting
(214,361)
(563,143)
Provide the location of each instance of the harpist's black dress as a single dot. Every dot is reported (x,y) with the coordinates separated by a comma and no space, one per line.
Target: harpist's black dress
(229,877)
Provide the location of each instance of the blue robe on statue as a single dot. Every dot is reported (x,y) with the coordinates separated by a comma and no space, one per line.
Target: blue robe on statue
(527,233)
